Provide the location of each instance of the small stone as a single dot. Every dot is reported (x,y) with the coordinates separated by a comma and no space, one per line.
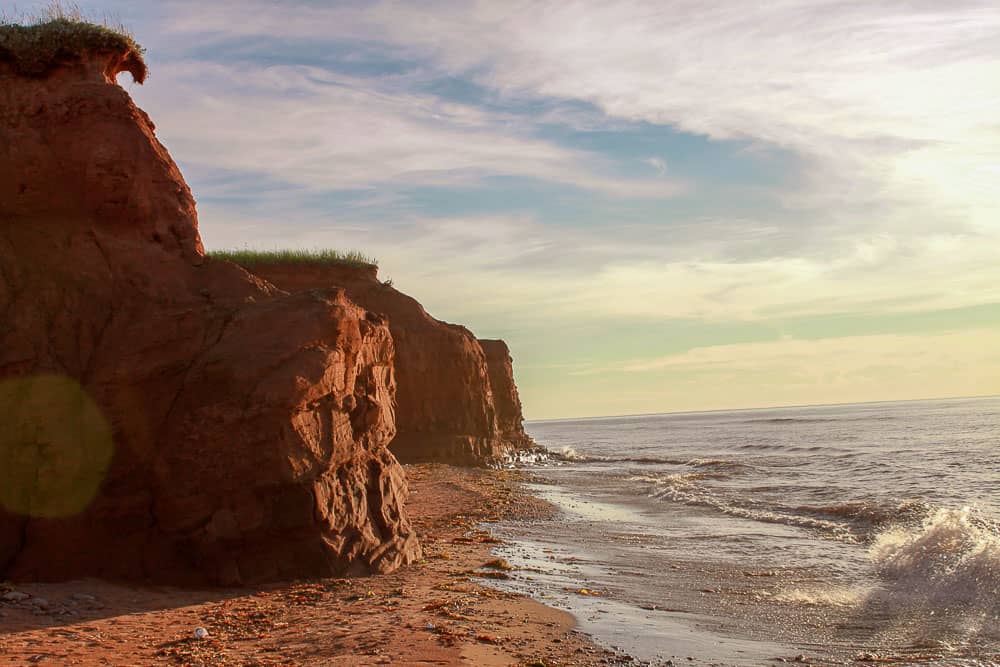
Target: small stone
(800,657)
(39,603)
(15,596)
(201,633)
(83,597)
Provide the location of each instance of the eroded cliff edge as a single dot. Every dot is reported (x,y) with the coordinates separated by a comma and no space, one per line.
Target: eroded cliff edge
(170,417)
(456,400)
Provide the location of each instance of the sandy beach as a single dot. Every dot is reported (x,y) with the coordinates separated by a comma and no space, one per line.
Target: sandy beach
(434,612)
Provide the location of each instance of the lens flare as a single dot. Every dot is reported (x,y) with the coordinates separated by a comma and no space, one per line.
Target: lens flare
(55,446)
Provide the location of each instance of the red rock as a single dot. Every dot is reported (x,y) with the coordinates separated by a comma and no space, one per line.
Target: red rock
(246,429)
(507,402)
(447,399)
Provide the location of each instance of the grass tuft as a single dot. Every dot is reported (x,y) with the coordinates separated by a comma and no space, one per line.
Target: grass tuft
(35,45)
(318,256)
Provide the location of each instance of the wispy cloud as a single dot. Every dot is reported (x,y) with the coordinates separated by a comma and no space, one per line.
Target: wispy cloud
(837,358)
(890,100)
(785,372)
(517,268)
(310,127)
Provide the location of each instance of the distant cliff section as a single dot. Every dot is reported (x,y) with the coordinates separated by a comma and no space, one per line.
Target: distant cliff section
(510,420)
(166,416)
(456,397)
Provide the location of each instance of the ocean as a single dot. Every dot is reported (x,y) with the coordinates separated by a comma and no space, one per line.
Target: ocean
(847,534)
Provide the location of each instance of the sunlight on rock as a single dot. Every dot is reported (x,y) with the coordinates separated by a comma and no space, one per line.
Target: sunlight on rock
(55,446)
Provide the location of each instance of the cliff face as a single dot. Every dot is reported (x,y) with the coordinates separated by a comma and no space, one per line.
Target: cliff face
(510,421)
(170,417)
(453,405)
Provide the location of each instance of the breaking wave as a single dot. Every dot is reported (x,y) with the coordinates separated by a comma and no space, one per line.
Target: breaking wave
(952,559)
(570,454)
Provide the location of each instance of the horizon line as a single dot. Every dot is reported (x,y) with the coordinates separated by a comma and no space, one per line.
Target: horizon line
(764,407)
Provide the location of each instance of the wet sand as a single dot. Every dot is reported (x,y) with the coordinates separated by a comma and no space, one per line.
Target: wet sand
(437,611)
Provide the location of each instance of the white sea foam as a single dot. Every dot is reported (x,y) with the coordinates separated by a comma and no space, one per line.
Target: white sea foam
(570,454)
(838,596)
(683,488)
(952,559)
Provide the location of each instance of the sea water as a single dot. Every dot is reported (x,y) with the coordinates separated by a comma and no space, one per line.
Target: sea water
(834,534)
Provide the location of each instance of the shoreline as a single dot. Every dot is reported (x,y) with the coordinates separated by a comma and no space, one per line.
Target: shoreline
(439,610)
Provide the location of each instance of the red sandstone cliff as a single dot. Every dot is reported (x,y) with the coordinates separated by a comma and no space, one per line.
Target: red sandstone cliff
(507,402)
(167,416)
(456,403)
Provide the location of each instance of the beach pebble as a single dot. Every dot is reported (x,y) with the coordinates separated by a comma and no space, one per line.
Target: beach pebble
(39,603)
(800,657)
(83,597)
(201,633)
(15,596)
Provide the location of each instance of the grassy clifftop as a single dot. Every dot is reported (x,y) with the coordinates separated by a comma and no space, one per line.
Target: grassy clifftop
(317,257)
(35,46)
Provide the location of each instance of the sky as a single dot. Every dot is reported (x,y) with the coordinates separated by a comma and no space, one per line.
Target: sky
(662,205)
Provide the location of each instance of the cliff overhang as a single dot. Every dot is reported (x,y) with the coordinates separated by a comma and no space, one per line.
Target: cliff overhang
(41,48)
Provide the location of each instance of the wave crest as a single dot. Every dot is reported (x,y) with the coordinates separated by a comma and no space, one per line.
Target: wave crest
(570,454)
(953,558)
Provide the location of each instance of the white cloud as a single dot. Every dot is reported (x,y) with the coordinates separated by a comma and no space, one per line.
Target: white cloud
(891,102)
(308,127)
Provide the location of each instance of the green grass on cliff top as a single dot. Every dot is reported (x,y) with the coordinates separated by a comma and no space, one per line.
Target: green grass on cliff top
(36,45)
(319,257)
